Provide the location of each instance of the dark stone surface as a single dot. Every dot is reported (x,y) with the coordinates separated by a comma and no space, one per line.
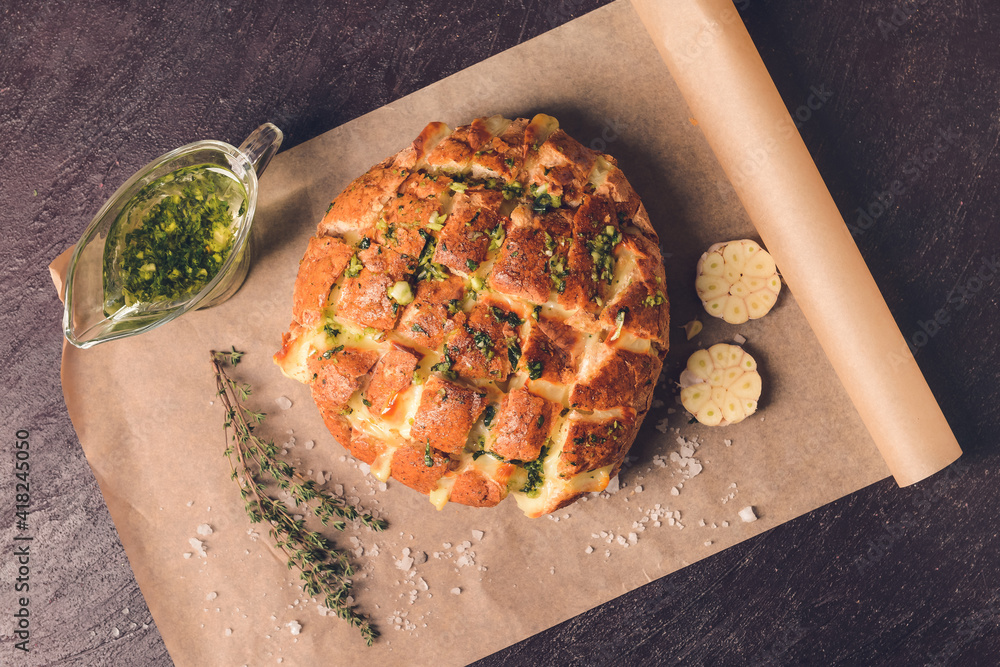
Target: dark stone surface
(90,91)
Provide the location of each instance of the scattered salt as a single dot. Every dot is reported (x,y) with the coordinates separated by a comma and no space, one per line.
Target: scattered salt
(283,402)
(456,591)
(229,632)
(212,596)
(198,546)
(478,535)
(294,627)
(310,444)
(204,530)
(747,514)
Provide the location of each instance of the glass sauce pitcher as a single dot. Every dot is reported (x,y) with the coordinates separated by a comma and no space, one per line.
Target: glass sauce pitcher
(87,319)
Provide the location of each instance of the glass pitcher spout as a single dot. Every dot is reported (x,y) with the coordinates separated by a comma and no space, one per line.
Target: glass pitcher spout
(173,238)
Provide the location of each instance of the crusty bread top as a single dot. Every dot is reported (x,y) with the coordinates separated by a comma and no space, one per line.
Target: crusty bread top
(484,313)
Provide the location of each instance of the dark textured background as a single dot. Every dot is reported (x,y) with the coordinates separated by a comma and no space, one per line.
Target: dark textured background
(89,92)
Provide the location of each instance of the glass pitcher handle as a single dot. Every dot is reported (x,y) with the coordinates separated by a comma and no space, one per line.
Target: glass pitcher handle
(261,146)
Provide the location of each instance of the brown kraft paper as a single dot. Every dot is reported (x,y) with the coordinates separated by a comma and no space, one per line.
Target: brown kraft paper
(151,426)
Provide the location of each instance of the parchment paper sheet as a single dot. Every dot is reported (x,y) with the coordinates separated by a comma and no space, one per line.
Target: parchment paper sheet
(149,422)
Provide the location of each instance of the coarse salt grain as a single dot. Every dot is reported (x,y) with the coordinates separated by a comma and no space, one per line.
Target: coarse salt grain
(283,402)
(212,596)
(747,514)
(229,632)
(204,530)
(456,591)
(294,627)
(198,546)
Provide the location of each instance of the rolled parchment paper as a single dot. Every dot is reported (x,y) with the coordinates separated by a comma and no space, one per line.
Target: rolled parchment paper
(718,70)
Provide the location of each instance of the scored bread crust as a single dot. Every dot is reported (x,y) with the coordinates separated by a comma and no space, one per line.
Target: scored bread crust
(484,314)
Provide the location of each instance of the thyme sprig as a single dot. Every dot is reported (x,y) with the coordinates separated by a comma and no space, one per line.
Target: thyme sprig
(325,571)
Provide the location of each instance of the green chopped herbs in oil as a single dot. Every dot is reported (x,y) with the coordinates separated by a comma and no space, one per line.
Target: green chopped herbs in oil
(601,249)
(173,237)
(354,267)
(535,476)
(488,414)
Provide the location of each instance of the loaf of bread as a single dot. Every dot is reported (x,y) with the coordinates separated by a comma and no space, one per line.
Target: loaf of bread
(483,314)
